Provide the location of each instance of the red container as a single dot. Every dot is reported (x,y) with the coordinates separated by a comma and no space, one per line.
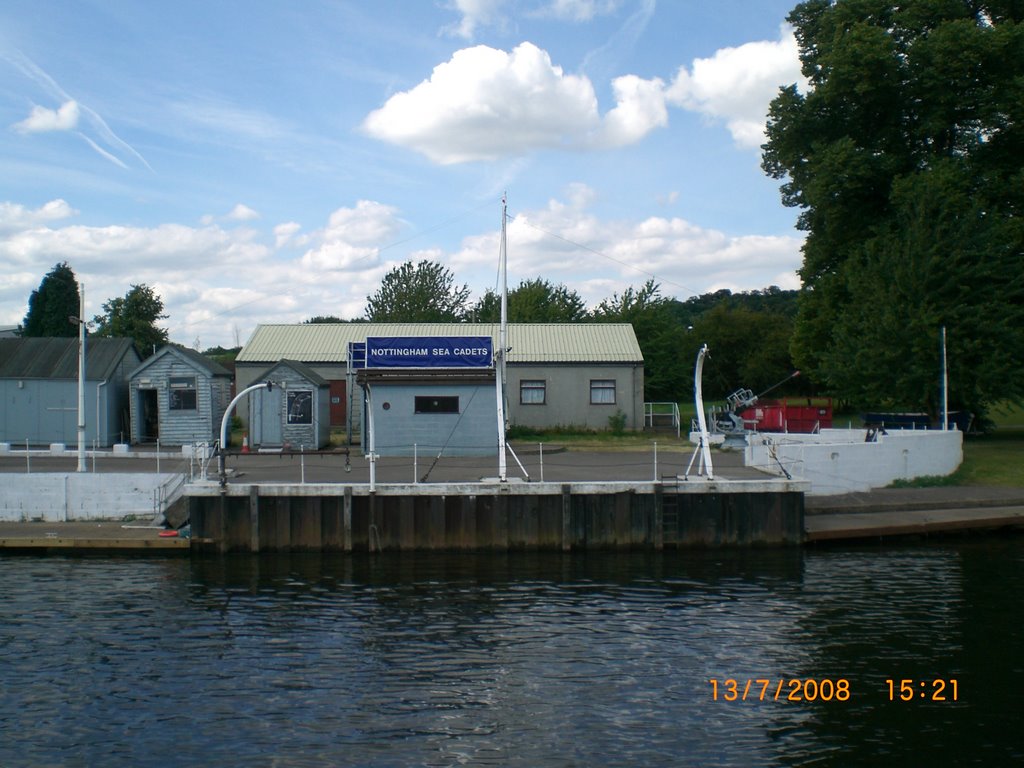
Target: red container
(802,414)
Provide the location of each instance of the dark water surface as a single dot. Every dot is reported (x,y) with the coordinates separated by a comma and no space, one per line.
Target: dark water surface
(533,660)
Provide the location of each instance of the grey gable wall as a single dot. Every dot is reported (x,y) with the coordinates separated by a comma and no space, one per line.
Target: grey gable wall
(186,426)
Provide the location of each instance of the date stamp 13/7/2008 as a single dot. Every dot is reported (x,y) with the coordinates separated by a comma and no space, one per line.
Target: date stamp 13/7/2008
(828,689)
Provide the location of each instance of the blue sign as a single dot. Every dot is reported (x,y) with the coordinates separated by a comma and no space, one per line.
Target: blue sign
(429,352)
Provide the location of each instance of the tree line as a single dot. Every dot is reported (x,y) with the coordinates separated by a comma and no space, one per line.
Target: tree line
(748,333)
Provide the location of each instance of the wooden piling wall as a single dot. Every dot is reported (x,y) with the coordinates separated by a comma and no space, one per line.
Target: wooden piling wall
(295,518)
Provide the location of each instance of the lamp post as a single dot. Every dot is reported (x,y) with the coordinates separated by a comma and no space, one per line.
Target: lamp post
(80,320)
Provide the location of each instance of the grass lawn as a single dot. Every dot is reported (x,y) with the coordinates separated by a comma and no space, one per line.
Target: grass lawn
(995,459)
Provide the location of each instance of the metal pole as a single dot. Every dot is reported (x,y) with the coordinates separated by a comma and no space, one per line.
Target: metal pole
(541,461)
(415,463)
(81,377)
(655,461)
(499,357)
(945,384)
(302,464)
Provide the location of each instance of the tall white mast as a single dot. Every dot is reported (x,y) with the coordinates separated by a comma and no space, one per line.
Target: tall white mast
(499,355)
(945,384)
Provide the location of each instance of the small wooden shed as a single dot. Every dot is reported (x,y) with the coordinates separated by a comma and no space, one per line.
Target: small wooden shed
(295,412)
(178,397)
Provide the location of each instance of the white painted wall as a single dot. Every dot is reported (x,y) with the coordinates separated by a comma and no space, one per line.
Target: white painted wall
(840,461)
(60,496)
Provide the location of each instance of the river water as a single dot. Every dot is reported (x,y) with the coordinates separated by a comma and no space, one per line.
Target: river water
(520,659)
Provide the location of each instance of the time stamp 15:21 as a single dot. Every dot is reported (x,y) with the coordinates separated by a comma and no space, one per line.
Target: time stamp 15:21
(828,689)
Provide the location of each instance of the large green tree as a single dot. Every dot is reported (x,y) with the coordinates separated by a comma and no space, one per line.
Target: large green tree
(533,301)
(418,293)
(52,303)
(662,340)
(905,156)
(134,316)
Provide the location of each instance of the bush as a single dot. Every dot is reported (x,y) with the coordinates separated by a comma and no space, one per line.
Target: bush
(617,423)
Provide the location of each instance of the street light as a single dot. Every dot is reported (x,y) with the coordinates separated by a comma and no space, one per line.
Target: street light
(81,374)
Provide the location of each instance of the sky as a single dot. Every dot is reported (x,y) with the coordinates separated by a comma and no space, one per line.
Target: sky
(267,162)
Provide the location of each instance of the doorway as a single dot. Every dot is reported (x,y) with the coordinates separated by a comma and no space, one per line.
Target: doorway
(149,416)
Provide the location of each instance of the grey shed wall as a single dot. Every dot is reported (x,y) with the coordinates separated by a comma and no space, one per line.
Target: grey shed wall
(268,407)
(180,427)
(400,431)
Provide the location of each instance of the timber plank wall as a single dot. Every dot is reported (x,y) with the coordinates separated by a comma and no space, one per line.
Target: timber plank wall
(534,516)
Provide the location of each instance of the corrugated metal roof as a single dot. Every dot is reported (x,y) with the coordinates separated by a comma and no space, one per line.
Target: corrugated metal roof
(530,342)
(57,358)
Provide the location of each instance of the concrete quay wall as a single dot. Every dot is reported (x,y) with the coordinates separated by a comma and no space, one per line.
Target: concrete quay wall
(483,516)
(67,496)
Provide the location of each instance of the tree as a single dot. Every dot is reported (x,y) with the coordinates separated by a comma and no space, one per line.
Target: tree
(319,319)
(532,301)
(906,159)
(50,305)
(134,316)
(661,337)
(418,293)
(748,349)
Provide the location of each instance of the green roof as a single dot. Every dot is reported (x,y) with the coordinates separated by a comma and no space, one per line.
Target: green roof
(529,342)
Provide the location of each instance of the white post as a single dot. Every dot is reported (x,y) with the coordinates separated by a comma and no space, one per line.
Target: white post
(372,455)
(655,461)
(415,463)
(541,461)
(81,377)
(499,357)
(302,464)
(945,384)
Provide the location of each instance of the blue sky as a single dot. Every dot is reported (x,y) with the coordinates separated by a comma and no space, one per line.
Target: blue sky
(261,162)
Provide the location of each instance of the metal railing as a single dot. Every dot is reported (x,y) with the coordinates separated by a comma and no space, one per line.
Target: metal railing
(662,415)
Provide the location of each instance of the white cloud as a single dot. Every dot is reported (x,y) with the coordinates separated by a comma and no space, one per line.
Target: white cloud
(242,212)
(41,119)
(284,233)
(14,216)
(736,85)
(217,281)
(566,243)
(579,10)
(640,108)
(353,237)
(484,104)
(475,14)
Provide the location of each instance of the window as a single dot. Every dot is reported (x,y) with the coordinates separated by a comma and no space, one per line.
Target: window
(437,404)
(602,391)
(182,393)
(532,391)
(300,406)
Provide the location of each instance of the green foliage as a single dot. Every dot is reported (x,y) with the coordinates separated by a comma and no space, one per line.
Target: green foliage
(906,158)
(51,304)
(747,349)
(748,335)
(533,301)
(316,319)
(134,316)
(657,331)
(222,356)
(617,423)
(418,293)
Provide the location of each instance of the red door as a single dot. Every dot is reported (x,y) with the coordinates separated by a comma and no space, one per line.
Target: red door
(339,403)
